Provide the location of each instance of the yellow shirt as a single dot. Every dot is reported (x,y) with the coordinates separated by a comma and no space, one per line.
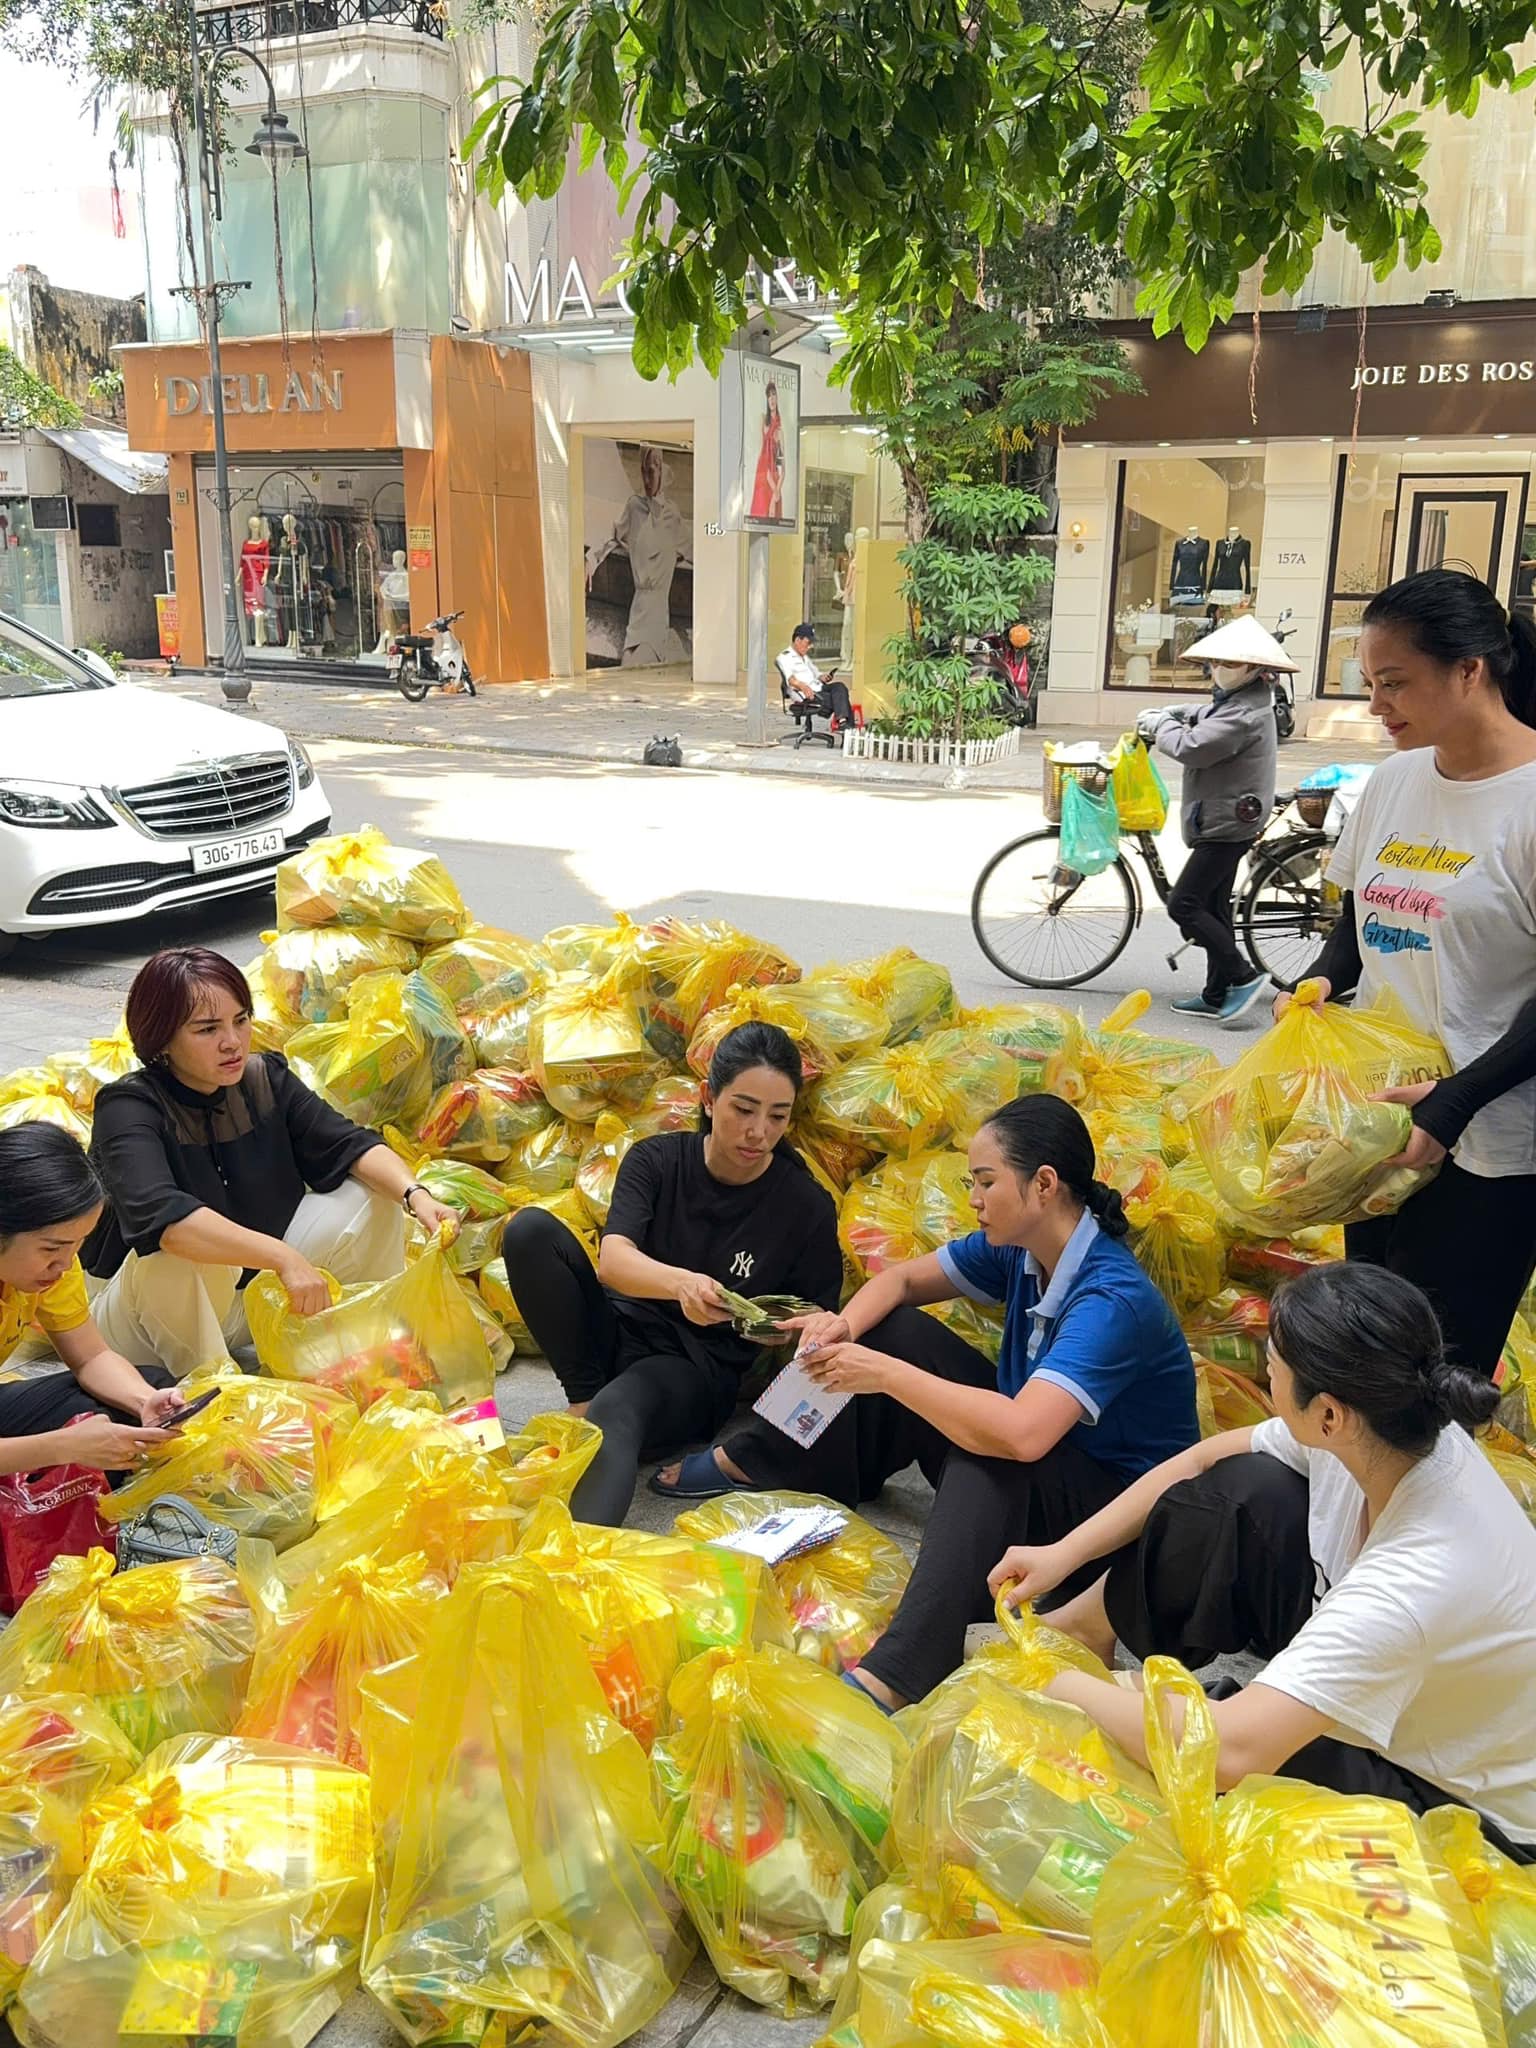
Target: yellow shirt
(61,1307)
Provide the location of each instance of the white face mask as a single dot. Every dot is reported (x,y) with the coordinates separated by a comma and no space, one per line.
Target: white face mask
(1231,675)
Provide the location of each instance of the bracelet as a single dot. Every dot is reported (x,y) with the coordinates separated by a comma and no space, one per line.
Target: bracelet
(415,1188)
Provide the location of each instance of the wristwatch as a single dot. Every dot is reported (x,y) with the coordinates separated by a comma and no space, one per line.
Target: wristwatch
(415,1188)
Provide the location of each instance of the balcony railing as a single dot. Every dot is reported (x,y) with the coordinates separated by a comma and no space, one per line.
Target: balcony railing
(263,21)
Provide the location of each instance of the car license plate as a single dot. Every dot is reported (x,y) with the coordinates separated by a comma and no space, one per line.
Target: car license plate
(235,853)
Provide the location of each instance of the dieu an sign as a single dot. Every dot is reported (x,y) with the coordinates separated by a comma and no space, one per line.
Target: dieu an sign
(317,392)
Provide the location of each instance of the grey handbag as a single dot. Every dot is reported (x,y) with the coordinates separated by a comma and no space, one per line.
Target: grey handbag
(172,1528)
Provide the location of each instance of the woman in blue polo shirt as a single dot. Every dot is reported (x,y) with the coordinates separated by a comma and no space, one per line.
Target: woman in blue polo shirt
(1093,1387)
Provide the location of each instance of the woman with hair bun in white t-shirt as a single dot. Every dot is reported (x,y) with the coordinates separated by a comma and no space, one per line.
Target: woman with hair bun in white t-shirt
(1360,1541)
(1439,864)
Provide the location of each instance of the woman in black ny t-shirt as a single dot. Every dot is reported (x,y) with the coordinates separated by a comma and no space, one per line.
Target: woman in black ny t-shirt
(643,1347)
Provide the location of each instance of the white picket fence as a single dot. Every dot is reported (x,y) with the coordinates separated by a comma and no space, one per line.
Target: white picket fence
(864,745)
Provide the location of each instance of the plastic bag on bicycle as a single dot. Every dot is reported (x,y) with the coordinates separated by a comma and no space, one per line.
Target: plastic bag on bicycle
(1090,829)
(1291,1135)
(1141,796)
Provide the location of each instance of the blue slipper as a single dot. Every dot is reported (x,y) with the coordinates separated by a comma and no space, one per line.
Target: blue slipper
(864,1693)
(699,1478)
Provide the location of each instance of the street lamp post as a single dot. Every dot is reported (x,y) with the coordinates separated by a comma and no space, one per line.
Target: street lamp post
(277,145)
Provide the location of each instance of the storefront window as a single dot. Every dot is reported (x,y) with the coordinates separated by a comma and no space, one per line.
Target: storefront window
(29,570)
(852,493)
(320,557)
(1187,557)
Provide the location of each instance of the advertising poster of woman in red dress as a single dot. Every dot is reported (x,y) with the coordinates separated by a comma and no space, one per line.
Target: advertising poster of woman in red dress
(768,484)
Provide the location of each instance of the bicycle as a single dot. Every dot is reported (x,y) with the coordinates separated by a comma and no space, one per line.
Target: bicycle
(1048,925)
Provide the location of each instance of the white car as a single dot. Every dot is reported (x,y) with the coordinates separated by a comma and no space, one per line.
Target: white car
(116,800)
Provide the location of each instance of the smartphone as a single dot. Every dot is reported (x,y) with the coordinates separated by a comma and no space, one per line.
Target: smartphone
(192,1408)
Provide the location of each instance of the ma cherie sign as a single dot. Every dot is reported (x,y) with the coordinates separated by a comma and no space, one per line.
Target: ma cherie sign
(319,391)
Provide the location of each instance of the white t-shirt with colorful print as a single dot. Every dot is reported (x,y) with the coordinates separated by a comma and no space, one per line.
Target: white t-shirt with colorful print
(1444,876)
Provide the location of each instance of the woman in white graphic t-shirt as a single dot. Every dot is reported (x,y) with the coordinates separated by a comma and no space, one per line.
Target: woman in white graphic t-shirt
(1359,1540)
(1439,865)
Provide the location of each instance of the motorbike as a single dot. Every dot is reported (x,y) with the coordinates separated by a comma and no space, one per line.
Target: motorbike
(434,660)
(1004,657)
(1284,684)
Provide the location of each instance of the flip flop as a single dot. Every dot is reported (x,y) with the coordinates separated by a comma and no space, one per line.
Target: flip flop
(700,1478)
(864,1693)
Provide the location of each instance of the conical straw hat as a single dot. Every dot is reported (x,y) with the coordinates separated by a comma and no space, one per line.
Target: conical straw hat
(1241,640)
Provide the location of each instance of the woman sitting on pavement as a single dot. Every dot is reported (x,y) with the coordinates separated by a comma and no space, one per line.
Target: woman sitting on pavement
(218,1164)
(103,1411)
(1360,1541)
(1094,1386)
(644,1346)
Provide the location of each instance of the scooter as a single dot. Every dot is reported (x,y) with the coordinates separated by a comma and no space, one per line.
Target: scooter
(1005,656)
(1284,683)
(434,660)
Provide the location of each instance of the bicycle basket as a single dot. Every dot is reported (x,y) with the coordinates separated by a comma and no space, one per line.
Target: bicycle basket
(1083,764)
(1312,806)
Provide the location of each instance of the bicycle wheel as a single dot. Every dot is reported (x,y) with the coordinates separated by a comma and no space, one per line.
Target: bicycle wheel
(1046,931)
(1284,914)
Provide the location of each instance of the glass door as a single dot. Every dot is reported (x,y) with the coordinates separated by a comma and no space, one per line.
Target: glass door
(1467,523)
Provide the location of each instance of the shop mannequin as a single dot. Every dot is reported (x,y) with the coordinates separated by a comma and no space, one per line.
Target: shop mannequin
(847,595)
(293,576)
(1231,575)
(394,600)
(255,567)
(1186,580)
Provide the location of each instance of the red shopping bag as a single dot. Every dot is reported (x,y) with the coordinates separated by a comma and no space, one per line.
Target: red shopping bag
(44,1515)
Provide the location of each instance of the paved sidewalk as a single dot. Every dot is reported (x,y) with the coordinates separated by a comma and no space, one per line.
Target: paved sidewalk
(598,719)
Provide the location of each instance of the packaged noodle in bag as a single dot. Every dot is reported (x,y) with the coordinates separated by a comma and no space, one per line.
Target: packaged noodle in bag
(1281,1916)
(1290,1136)
(776,1785)
(416,1329)
(840,1596)
(827,1021)
(1123,1066)
(303,977)
(360,878)
(484,967)
(256,1460)
(690,969)
(587,1047)
(914,995)
(484,1117)
(599,1167)
(372,1064)
(1022,1990)
(642,1605)
(164,1649)
(1502,1896)
(337,1630)
(545,1162)
(1232,1329)
(225,1900)
(1013,1803)
(519,1855)
(499,1033)
(908,1099)
(1179,1243)
(1044,1039)
(59,1753)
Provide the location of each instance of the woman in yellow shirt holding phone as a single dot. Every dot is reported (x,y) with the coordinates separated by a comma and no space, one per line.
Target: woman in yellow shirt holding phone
(101,1411)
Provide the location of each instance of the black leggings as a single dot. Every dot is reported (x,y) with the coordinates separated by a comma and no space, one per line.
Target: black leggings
(982,1504)
(645,1402)
(52,1400)
(1470,1243)
(1224,1567)
(1200,904)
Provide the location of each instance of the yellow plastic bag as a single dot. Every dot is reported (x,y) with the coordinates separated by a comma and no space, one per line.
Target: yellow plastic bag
(827,1021)
(1226,1399)
(691,967)
(1502,1896)
(1023,1990)
(416,1329)
(840,1597)
(908,1099)
(1179,1243)
(1232,1329)
(165,1649)
(546,1457)
(1141,796)
(642,1605)
(776,1784)
(485,1117)
(835,1159)
(372,1064)
(1290,1135)
(671,1103)
(1281,1916)
(257,1460)
(303,976)
(914,995)
(499,1034)
(1013,1804)
(1044,1039)
(225,1900)
(545,1162)
(600,1164)
(518,1850)
(481,1200)
(1123,1066)
(379,1443)
(1515,1464)
(58,1754)
(337,1631)
(1516,1379)
(587,1047)
(484,968)
(359,878)
(32,1095)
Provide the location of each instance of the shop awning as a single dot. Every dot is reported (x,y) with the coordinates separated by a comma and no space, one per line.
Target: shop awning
(106,450)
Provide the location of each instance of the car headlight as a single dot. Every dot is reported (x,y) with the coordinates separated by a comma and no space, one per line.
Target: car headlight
(303,767)
(50,803)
